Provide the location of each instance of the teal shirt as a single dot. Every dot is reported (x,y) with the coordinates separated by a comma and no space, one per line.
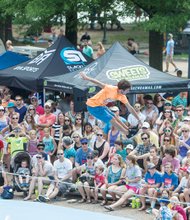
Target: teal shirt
(88,51)
(49,145)
(68,153)
(179,101)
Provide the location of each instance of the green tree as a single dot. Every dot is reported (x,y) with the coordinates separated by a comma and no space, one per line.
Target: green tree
(164,16)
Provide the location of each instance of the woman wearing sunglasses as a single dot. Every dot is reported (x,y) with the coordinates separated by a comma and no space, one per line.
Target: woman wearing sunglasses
(102,146)
(184,142)
(32,111)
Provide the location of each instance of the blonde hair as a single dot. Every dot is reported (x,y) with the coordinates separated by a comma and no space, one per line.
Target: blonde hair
(101,45)
(121,162)
(185,126)
(32,132)
(47,130)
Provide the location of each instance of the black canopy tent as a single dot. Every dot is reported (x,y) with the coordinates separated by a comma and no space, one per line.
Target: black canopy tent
(116,64)
(60,58)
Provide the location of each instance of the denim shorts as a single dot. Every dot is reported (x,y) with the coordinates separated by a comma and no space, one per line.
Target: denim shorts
(102,113)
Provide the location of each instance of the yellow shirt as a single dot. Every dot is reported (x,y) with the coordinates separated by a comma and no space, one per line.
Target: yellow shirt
(153,139)
(107,94)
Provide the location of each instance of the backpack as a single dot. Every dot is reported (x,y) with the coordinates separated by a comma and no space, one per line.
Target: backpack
(7,193)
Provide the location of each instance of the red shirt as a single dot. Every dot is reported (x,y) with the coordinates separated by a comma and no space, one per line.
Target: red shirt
(99,179)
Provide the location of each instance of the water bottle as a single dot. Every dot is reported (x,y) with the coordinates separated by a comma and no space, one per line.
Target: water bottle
(133,203)
(138,203)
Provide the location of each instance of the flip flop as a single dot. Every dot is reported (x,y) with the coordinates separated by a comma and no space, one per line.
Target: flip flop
(109,208)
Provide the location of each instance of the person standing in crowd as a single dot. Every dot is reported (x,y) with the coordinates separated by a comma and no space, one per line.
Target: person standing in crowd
(9,45)
(46,120)
(86,37)
(100,50)
(132,46)
(170,52)
(87,49)
(71,114)
(20,107)
(39,108)
(96,105)
(180,99)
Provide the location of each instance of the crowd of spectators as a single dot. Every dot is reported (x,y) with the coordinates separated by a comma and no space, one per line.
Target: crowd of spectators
(69,148)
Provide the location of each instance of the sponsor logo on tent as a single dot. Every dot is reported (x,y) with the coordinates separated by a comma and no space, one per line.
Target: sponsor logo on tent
(73,57)
(131,73)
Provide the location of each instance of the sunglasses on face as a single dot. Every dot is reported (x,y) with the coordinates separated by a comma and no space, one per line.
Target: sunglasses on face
(84,143)
(144,138)
(168,140)
(40,148)
(137,106)
(67,120)
(100,135)
(90,158)
(14,118)
(47,107)
(39,157)
(31,109)
(78,119)
(167,130)
(18,99)
(60,154)
(1,110)
(75,136)
(185,131)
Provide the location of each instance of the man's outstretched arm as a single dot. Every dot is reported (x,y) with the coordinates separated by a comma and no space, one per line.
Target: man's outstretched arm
(85,77)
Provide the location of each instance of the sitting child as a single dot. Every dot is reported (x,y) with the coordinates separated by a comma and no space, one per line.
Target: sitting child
(99,180)
(164,212)
(23,174)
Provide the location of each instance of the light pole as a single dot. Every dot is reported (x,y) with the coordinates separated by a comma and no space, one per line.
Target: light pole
(186,31)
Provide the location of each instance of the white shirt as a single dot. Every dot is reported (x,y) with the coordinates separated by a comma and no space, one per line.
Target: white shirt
(62,168)
(133,121)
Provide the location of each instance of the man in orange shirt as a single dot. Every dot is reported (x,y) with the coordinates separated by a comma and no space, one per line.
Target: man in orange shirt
(96,105)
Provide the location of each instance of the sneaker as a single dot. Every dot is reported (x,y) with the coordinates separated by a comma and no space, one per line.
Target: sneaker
(165,71)
(43,198)
(176,69)
(149,211)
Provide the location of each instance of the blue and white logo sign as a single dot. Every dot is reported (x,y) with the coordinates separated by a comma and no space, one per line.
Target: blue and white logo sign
(72,56)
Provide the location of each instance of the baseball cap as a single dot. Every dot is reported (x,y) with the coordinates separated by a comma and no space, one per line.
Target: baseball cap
(183,169)
(114,108)
(11,105)
(84,140)
(67,140)
(47,104)
(130,146)
(145,125)
(150,166)
(167,103)
(164,200)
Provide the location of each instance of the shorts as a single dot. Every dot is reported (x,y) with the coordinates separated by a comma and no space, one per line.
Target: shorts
(135,190)
(102,113)
(63,187)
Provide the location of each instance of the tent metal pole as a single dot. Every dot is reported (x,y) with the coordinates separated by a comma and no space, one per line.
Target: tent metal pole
(44,96)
